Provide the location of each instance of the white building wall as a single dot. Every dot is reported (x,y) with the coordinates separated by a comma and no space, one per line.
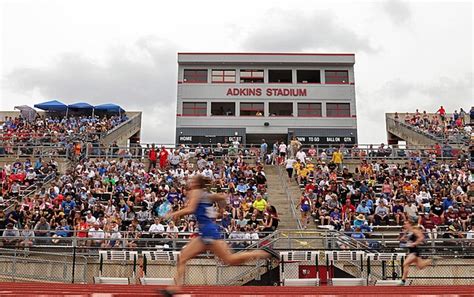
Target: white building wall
(315,93)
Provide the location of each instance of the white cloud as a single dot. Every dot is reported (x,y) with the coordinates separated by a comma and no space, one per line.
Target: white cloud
(294,31)
(125,52)
(398,11)
(141,77)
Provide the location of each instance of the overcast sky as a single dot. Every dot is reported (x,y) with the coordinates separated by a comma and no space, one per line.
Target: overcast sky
(409,55)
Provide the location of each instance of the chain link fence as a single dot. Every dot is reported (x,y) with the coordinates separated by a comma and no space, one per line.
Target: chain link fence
(76,263)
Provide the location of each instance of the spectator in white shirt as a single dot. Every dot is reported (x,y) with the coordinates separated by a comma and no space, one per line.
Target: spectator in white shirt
(172,231)
(97,235)
(470,235)
(157,229)
(301,155)
(208,173)
(90,219)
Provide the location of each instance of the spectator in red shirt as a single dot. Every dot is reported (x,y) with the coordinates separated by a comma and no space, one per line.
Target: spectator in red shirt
(348,211)
(81,231)
(163,157)
(450,216)
(152,157)
(442,112)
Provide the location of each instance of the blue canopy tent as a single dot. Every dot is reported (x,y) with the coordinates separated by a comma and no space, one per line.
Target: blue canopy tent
(109,107)
(53,105)
(81,106)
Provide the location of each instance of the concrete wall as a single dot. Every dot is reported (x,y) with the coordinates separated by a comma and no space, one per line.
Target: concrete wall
(266,58)
(122,133)
(256,124)
(412,137)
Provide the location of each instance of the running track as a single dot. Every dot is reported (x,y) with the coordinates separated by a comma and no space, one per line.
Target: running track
(57,289)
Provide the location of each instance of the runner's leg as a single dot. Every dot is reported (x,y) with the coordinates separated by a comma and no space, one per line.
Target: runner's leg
(411,258)
(192,249)
(221,250)
(422,263)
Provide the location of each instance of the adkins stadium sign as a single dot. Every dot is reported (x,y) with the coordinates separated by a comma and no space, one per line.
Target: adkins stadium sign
(268,92)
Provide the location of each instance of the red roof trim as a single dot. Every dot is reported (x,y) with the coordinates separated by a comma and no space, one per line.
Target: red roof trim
(271,54)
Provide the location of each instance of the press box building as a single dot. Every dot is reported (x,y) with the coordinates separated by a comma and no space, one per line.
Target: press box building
(275,96)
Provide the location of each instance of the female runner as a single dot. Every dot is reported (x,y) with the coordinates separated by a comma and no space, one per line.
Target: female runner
(414,238)
(201,203)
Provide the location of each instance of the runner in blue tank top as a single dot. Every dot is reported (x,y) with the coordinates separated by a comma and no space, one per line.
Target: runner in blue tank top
(201,203)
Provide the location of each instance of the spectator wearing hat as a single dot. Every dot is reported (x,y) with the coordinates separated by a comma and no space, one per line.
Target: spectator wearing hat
(359,221)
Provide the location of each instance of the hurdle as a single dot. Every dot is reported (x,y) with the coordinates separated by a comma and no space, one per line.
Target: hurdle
(384,258)
(160,256)
(299,256)
(351,256)
(115,256)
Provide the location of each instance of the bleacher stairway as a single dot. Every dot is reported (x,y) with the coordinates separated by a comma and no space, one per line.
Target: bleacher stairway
(278,198)
(285,197)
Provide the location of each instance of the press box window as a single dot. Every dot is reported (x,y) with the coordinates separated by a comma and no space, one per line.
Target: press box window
(251,76)
(338,109)
(251,109)
(195,76)
(281,109)
(196,109)
(309,110)
(337,76)
(223,76)
(223,108)
(279,76)
(308,76)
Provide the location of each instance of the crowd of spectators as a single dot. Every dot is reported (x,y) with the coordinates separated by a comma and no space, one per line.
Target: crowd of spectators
(438,195)
(454,127)
(63,133)
(116,202)
(17,176)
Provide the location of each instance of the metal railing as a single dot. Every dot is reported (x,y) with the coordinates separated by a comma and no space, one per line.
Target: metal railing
(139,151)
(30,191)
(289,197)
